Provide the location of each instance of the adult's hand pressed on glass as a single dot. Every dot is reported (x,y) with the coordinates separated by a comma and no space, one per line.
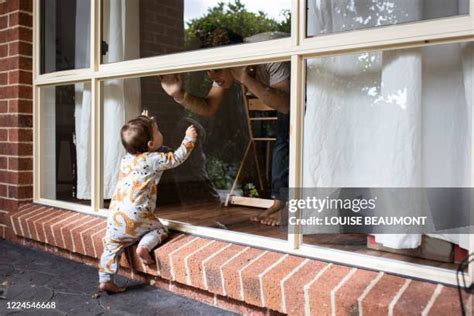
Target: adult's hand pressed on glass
(173,86)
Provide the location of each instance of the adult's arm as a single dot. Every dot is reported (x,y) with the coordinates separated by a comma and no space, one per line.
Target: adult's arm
(208,106)
(277,95)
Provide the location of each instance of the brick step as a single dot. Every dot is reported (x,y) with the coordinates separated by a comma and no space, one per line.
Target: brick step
(221,272)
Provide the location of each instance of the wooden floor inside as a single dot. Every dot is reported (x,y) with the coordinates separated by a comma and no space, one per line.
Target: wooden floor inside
(237,218)
(234,218)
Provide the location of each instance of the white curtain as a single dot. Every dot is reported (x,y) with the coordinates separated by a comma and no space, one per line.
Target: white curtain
(121,99)
(467,52)
(393,119)
(82,109)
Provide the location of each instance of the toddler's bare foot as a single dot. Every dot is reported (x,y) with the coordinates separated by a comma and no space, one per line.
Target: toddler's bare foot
(111,287)
(144,255)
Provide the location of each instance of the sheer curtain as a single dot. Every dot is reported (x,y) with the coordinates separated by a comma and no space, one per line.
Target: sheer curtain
(392,119)
(82,109)
(121,97)
(467,55)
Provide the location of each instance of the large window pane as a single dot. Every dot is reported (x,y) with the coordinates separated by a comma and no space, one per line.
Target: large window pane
(214,102)
(65,143)
(65,35)
(134,29)
(392,119)
(333,16)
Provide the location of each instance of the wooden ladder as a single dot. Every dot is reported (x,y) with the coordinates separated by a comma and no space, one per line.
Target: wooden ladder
(252,104)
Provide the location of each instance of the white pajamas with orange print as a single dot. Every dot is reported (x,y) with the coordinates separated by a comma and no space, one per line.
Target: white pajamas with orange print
(132,209)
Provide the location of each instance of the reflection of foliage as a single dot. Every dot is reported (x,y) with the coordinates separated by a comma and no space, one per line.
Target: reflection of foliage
(250,190)
(235,17)
(220,173)
(197,83)
(285,24)
(226,131)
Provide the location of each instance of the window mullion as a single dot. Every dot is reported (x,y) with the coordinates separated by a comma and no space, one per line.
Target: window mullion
(297,21)
(96,147)
(96,117)
(95,35)
(296,139)
(36,144)
(471,236)
(36,103)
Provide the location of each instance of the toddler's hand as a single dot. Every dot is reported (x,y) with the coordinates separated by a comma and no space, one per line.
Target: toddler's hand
(191,132)
(146,114)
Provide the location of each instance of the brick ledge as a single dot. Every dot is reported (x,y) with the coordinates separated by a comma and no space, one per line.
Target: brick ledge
(225,274)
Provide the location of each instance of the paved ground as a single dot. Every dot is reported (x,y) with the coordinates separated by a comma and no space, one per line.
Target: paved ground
(28,275)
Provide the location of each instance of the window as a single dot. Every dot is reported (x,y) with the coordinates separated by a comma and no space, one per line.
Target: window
(120,54)
(327,16)
(365,127)
(233,159)
(65,29)
(136,29)
(65,147)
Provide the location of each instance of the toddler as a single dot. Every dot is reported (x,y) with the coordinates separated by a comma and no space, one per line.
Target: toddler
(132,216)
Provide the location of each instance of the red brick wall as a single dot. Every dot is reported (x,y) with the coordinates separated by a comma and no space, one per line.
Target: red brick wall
(16,121)
(161,32)
(247,280)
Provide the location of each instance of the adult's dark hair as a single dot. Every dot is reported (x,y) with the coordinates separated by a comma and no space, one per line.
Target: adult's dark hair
(136,134)
(220,37)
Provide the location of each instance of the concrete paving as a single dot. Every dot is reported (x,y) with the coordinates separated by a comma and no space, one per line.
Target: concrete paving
(29,275)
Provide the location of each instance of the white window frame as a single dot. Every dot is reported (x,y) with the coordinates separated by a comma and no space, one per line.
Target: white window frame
(297,48)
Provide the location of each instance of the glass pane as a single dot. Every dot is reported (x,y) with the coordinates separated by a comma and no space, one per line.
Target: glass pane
(65,35)
(392,120)
(135,29)
(333,16)
(220,168)
(65,143)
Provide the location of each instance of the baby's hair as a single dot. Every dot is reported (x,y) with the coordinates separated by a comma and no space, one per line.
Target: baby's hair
(136,134)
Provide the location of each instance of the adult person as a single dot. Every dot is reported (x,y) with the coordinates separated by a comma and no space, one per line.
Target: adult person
(270,83)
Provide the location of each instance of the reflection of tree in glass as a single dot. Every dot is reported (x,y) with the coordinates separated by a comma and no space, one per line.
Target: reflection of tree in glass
(236,17)
(226,131)
(197,83)
(352,15)
(220,173)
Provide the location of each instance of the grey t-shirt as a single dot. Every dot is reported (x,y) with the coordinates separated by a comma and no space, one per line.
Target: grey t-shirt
(272,73)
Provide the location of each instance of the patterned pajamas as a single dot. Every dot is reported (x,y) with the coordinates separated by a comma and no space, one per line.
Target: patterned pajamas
(132,209)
